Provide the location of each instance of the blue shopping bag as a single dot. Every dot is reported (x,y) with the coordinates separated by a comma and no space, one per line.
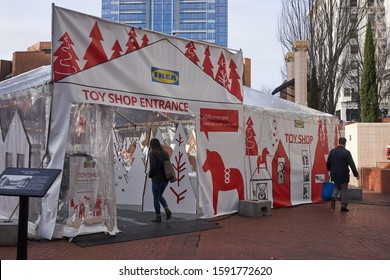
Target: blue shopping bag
(327,190)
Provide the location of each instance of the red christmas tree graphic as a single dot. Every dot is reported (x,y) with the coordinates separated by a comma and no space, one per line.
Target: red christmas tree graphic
(222,77)
(207,65)
(117,50)
(145,41)
(190,53)
(250,141)
(132,43)
(235,88)
(336,137)
(325,140)
(179,164)
(95,53)
(319,166)
(66,62)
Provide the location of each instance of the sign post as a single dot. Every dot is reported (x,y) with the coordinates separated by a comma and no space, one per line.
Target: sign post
(25,183)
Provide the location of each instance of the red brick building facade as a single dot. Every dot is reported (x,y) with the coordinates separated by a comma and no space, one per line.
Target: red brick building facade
(23,61)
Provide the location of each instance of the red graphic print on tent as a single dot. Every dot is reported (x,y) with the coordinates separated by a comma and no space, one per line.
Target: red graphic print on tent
(95,53)
(190,53)
(281,171)
(145,41)
(117,50)
(325,139)
(180,194)
(207,64)
(66,61)
(180,167)
(223,178)
(319,171)
(97,209)
(250,139)
(132,43)
(336,137)
(269,142)
(235,88)
(222,77)
(262,160)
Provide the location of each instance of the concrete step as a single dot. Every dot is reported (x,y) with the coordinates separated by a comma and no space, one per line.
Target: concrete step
(255,208)
(8,232)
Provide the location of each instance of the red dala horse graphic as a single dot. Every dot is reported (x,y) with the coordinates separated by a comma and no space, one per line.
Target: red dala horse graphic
(223,178)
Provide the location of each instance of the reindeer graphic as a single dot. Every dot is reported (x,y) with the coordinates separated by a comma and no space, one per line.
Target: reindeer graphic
(223,178)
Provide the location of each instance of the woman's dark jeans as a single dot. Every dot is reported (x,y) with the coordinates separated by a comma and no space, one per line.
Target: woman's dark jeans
(158,190)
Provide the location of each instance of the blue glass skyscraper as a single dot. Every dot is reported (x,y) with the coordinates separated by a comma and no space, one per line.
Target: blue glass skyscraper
(192,19)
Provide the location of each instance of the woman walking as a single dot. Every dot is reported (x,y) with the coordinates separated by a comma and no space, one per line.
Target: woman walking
(157,156)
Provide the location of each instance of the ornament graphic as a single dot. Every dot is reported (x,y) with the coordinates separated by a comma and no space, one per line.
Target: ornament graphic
(132,43)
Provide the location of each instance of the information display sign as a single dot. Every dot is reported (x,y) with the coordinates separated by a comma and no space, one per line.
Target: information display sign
(31,182)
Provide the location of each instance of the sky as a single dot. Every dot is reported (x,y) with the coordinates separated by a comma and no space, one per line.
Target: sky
(252,26)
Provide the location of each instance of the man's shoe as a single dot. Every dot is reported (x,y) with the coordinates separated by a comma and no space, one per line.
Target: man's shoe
(168,213)
(157,219)
(344,209)
(333,204)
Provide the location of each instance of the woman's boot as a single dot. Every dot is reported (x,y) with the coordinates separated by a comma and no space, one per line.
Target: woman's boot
(168,213)
(157,219)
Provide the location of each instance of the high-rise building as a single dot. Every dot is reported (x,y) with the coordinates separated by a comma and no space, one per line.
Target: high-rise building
(348,107)
(205,20)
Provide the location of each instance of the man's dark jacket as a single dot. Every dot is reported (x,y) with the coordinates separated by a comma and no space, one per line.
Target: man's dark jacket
(338,161)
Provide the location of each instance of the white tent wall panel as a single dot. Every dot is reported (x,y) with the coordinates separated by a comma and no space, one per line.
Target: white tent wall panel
(2,153)
(290,153)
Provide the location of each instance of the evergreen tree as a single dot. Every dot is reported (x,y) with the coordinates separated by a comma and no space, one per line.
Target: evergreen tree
(313,98)
(369,87)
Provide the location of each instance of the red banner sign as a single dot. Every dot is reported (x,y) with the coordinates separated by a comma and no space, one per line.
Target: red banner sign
(217,120)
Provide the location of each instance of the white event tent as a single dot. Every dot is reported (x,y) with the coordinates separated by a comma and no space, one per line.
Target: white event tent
(111,87)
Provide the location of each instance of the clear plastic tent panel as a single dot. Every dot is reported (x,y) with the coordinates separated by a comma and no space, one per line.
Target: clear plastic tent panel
(32,105)
(87,197)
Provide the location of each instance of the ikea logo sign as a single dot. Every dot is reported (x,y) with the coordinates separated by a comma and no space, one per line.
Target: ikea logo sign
(165,76)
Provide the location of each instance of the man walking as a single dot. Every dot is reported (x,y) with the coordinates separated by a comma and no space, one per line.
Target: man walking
(339,160)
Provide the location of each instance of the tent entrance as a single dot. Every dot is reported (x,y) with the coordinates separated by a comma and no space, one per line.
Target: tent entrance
(132,132)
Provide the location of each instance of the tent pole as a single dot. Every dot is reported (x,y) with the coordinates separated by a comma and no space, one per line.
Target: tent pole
(146,167)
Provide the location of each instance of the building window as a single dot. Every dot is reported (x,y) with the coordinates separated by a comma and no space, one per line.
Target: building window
(347,92)
(353,3)
(354,49)
(352,115)
(354,64)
